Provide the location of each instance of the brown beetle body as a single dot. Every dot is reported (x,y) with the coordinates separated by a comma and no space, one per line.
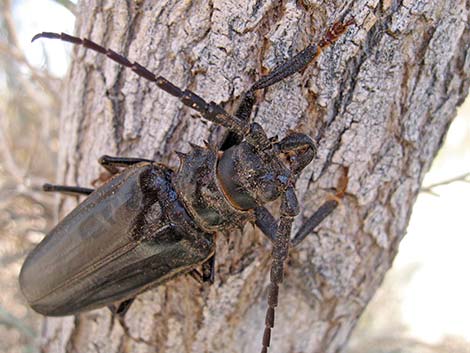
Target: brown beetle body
(127,236)
(148,223)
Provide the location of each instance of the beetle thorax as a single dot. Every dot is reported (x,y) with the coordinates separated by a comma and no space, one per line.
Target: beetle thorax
(198,186)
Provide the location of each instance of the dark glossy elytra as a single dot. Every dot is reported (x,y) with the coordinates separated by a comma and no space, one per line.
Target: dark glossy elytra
(149,223)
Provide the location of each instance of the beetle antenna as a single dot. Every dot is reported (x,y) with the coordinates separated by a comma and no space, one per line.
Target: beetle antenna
(334,32)
(289,209)
(209,111)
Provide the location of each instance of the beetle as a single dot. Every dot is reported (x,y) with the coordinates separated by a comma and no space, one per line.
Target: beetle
(149,223)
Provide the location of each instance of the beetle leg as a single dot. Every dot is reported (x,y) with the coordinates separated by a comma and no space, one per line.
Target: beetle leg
(243,113)
(266,222)
(208,270)
(196,275)
(314,220)
(121,309)
(112,163)
(68,190)
(323,211)
(302,59)
(268,225)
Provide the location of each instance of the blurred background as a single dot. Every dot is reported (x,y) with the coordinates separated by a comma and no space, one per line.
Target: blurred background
(422,306)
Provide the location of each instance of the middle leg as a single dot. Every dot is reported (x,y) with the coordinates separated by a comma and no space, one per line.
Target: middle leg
(67,190)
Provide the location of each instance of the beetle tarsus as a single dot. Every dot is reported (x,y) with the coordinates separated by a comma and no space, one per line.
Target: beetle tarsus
(208,270)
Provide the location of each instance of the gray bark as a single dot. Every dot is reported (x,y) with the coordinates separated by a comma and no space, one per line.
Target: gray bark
(379,101)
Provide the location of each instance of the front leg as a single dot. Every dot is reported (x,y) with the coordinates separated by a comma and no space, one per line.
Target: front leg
(314,220)
(111,164)
(266,222)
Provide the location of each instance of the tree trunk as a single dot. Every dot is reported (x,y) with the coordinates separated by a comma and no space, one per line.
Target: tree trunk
(379,102)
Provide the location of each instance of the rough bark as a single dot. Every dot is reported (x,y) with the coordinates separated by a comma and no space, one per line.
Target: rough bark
(379,101)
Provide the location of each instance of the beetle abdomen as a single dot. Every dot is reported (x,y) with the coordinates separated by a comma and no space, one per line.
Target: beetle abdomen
(114,245)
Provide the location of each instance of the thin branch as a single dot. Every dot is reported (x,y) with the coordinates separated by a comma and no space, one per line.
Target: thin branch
(8,160)
(465,178)
(12,48)
(25,186)
(43,77)
(68,5)
(9,23)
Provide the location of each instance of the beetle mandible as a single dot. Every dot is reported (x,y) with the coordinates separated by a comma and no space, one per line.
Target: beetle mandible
(149,223)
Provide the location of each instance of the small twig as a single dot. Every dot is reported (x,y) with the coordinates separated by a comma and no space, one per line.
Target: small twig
(25,186)
(8,160)
(465,178)
(42,77)
(12,48)
(9,23)
(68,5)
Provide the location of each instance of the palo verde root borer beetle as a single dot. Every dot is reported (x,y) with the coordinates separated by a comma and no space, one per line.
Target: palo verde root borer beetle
(149,223)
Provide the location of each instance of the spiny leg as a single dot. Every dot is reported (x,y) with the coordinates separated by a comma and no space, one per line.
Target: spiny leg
(208,270)
(210,111)
(121,309)
(109,163)
(314,220)
(243,113)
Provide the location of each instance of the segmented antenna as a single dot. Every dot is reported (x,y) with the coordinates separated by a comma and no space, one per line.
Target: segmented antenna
(210,111)
(289,206)
(289,209)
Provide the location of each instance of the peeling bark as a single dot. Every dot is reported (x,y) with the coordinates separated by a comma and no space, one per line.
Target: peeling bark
(379,101)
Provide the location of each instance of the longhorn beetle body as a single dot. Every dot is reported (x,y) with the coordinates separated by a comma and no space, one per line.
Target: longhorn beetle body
(149,223)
